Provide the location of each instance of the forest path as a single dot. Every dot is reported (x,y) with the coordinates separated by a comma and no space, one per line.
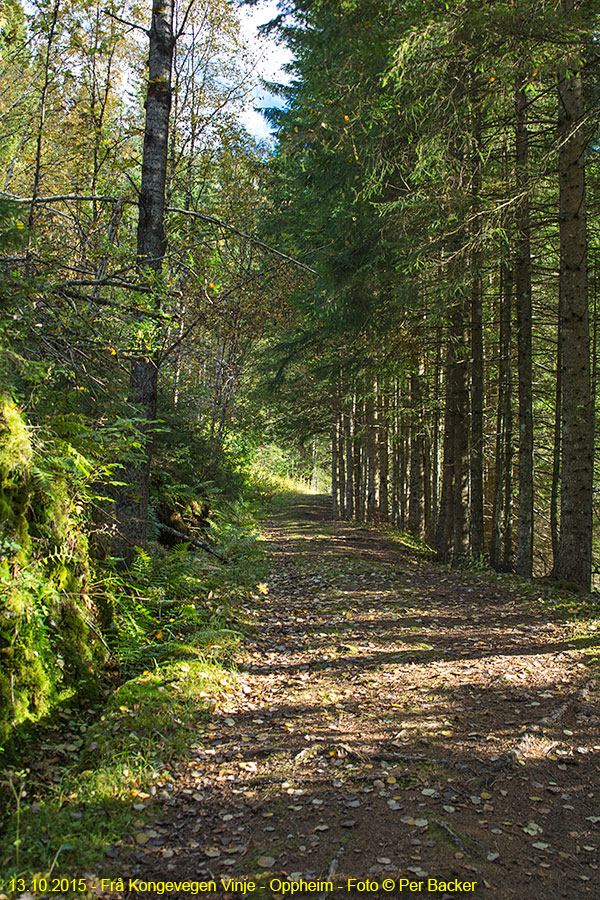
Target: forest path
(393,720)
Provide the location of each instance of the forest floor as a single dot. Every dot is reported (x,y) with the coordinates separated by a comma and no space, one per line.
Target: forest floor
(392,719)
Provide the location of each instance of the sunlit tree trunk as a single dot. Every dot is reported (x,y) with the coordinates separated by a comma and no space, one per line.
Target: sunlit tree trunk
(395,455)
(427,507)
(443,532)
(460,538)
(403,455)
(435,449)
(37,167)
(556,446)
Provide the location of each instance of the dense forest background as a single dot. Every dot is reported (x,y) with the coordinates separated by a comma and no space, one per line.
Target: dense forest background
(402,290)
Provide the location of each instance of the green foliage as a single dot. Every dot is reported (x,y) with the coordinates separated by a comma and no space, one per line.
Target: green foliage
(171,600)
(149,720)
(12,228)
(12,31)
(62,613)
(47,620)
(172,632)
(189,464)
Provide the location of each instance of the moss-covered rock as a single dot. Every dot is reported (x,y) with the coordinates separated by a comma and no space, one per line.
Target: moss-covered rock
(16,452)
(16,456)
(47,633)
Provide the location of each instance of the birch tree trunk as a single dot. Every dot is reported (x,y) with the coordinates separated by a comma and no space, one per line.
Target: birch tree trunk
(37,169)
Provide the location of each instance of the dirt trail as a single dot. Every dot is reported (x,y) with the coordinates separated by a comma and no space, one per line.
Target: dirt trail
(394,720)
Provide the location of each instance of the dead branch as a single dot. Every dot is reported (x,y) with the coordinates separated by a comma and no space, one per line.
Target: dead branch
(202,545)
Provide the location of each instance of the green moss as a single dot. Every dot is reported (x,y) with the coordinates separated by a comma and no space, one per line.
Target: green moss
(46,642)
(26,679)
(16,456)
(149,721)
(16,452)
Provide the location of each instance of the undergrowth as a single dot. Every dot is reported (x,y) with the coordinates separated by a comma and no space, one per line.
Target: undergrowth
(73,818)
(171,598)
(108,674)
(49,625)
(171,633)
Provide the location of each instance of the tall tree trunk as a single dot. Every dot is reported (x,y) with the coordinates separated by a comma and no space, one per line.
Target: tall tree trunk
(443,532)
(435,450)
(416,494)
(395,454)
(334,458)
(501,536)
(37,168)
(451,535)
(341,461)
(348,426)
(476,527)
(371,445)
(574,557)
(507,523)
(524,564)
(498,502)
(132,499)
(476,519)
(383,455)
(178,353)
(403,451)
(460,537)
(314,472)
(357,455)
(427,505)
(556,451)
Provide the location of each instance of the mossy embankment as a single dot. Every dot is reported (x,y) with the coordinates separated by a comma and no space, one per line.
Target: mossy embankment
(50,639)
(82,768)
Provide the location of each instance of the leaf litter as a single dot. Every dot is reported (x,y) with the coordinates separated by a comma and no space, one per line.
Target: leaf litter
(377,683)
